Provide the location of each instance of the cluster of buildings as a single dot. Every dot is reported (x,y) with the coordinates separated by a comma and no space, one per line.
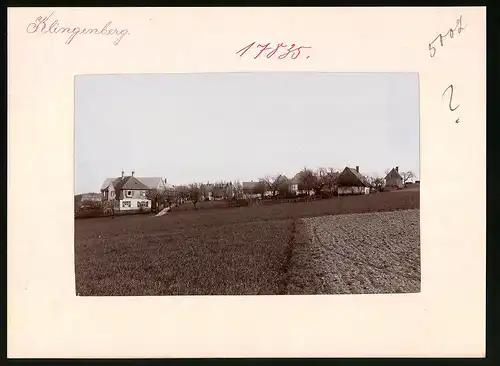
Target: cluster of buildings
(129,193)
(348,182)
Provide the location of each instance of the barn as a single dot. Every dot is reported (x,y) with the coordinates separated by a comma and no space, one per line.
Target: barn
(352,182)
(393,179)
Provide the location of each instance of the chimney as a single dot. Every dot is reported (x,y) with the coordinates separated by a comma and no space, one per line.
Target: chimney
(165,180)
(123,174)
(397,169)
(357,168)
(133,173)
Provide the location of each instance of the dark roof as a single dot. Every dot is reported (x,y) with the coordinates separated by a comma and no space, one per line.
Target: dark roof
(283,179)
(110,181)
(219,191)
(151,182)
(335,175)
(351,177)
(249,185)
(393,174)
(297,178)
(129,183)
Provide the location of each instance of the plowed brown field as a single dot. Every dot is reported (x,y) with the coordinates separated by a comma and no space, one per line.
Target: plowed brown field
(245,250)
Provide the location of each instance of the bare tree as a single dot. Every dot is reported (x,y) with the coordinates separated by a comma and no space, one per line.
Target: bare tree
(330,179)
(306,180)
(194,194)
(407,176)
(229,191)
(205,190)
(320,182)
(183,193)
(272,184)
(259,188)
(169,196)
(283,187)
(377,182)
(157,197)
(312,181)
(237,190)
(247,191)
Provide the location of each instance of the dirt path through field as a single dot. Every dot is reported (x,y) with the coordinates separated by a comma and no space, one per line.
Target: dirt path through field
(268,250)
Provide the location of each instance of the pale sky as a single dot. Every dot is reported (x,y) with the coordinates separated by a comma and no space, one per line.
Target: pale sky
(243,126)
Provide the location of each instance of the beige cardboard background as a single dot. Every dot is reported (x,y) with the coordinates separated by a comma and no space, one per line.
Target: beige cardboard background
(46,319)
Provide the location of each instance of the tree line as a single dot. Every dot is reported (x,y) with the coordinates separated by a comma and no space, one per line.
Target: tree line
(278,185)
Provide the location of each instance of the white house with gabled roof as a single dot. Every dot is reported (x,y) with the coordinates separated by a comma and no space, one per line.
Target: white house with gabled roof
(131,192)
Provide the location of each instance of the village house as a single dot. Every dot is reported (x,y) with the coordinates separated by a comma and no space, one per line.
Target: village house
(284,185)
(217,191)
(249,189)
(130,193)
(393,179)
(296,182)
(222,191)
(352,182)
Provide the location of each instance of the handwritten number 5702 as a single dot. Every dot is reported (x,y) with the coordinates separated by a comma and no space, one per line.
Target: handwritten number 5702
(451,33)
(450,88)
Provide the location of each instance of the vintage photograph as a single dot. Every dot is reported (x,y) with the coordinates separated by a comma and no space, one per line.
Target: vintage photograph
(264,183)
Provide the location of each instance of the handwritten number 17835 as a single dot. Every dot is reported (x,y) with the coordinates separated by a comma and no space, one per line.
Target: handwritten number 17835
(450,88)
(291,49)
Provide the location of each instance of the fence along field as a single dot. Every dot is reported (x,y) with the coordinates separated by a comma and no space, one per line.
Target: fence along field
(239,251)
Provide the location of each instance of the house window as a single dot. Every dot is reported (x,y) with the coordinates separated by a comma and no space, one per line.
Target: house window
(129,193)
(126,204)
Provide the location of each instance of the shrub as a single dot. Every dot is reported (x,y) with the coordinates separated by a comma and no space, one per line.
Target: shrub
(325,195)
(240,202)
